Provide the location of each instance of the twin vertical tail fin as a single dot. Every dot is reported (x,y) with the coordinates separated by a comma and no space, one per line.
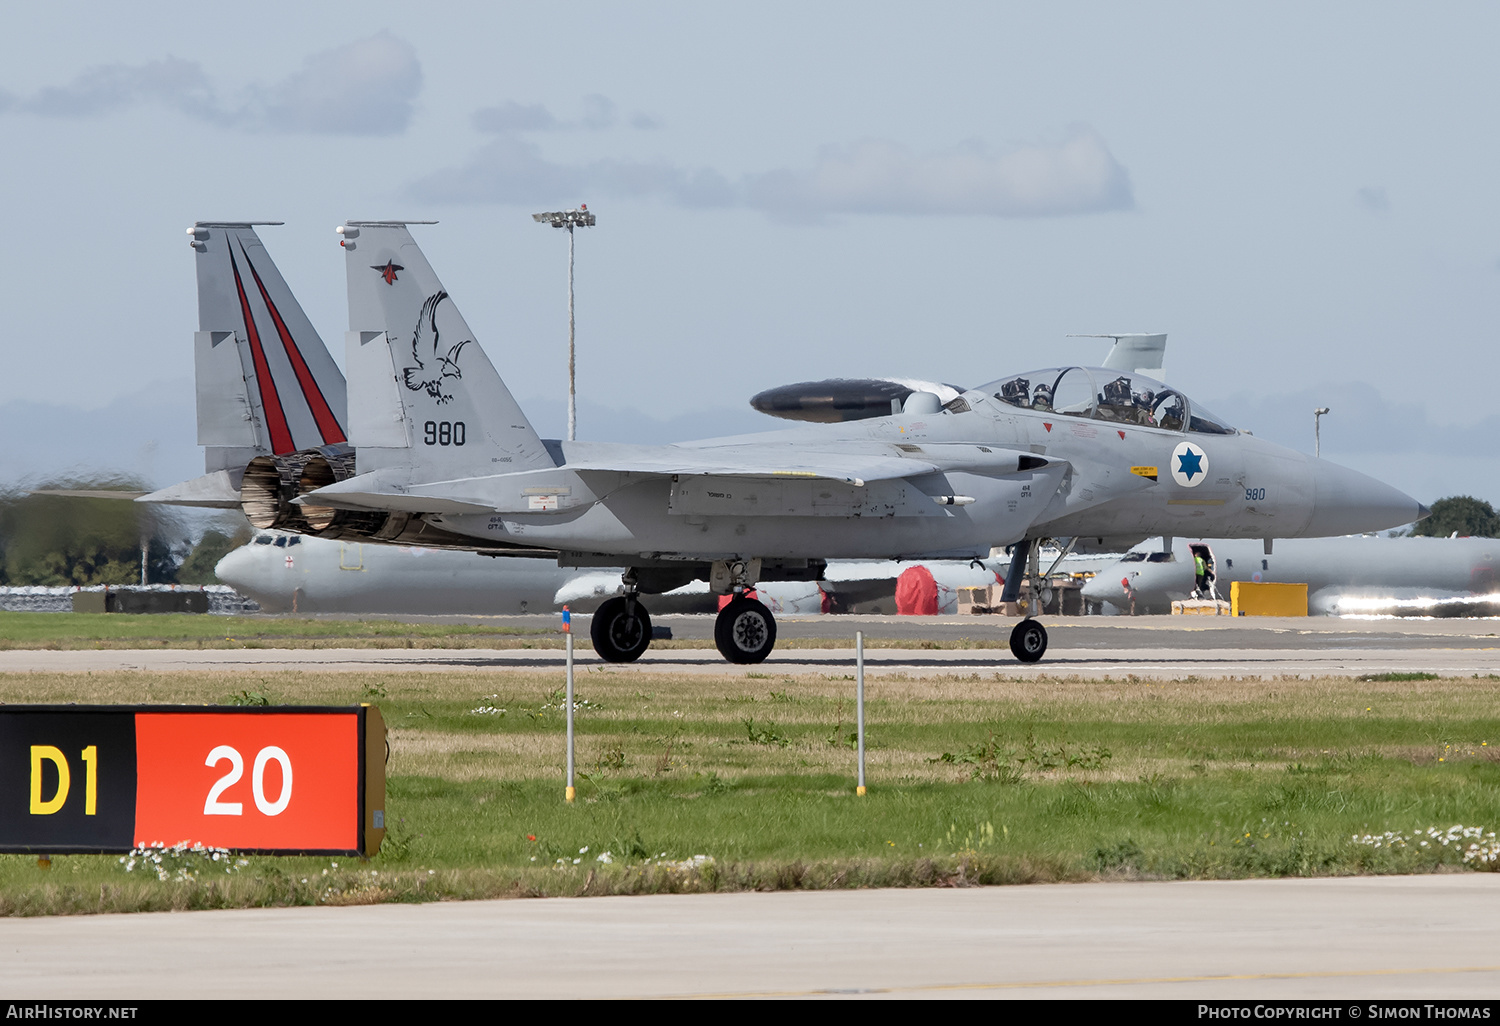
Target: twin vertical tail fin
(424,397)
(271,401)
(266,383)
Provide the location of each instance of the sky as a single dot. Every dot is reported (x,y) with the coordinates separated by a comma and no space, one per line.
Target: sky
(1302,196)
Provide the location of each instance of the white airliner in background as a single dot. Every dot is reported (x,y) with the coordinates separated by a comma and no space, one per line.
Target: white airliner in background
(290,572)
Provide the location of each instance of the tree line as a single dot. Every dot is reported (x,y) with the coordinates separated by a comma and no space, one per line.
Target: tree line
(57,540)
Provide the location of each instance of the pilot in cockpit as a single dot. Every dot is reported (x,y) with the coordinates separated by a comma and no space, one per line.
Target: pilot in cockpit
(1041,398)
(1116,393)
(1144,401)
(1170,413)
(1115,401)
(1014,391)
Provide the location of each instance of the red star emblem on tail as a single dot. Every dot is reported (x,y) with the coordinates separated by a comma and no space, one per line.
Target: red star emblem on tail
(388,271)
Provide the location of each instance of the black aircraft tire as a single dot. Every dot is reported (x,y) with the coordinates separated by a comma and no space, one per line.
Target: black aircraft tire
(619,637)
(745,631)
(1028,641)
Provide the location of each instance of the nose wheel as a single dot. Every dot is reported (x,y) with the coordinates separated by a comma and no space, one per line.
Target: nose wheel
(621,630)
(745,631)
(1028,642)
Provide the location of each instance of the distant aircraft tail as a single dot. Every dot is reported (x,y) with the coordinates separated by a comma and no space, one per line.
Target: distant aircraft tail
(266,383)
(423,394)
(1135,353)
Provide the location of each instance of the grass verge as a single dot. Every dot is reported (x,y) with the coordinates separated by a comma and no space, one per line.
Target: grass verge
(74,631)
(727,783)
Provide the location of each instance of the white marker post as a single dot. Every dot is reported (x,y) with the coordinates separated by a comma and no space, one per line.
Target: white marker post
(567,625)
(859,703)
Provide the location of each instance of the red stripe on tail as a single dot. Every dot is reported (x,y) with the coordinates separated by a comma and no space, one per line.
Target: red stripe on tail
(270,402)
(328,424)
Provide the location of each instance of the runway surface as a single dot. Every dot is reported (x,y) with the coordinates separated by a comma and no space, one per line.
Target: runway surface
(1407,937)
(1089,647)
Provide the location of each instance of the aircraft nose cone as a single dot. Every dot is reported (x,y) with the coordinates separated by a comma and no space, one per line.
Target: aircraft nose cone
(1097,588)
(232,569)
(1348,502)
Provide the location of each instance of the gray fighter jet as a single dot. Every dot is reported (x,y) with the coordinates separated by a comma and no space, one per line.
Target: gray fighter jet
(445,456)
(1370,576)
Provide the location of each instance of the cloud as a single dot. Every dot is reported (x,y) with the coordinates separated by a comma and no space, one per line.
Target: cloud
(511,118)
(598,111)
(511,170)
(367,87)
(1076,175)
(1363,420)
(99,90)
(1373,199)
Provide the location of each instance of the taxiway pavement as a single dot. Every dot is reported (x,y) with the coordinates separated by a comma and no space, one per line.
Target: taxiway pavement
(1335,939)
(1097,647)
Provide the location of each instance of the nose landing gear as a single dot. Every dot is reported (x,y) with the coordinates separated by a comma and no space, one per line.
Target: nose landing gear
(1028,641)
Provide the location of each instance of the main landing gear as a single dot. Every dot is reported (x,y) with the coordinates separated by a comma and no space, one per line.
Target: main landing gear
(621,630)
(745,631)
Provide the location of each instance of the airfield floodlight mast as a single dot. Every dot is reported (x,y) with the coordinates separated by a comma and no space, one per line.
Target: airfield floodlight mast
(569,219)
(1318,430)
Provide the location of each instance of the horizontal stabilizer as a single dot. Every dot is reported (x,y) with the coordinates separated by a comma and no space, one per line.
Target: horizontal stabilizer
(87,493)
(211,491)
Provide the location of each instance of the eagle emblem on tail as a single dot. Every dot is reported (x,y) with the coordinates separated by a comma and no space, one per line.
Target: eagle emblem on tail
(434,364)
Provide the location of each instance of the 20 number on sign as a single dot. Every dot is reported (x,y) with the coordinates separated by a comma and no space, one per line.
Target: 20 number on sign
(214,807)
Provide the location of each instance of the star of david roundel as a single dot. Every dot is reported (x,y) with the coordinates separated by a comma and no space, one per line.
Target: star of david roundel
(1189,465)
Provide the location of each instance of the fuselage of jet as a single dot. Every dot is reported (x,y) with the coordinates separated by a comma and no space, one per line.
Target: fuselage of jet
(1017,473)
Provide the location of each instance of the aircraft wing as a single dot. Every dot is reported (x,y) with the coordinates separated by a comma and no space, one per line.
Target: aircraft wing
(857,467)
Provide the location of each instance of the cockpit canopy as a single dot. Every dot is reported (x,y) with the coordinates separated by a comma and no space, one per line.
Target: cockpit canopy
(1102,394)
